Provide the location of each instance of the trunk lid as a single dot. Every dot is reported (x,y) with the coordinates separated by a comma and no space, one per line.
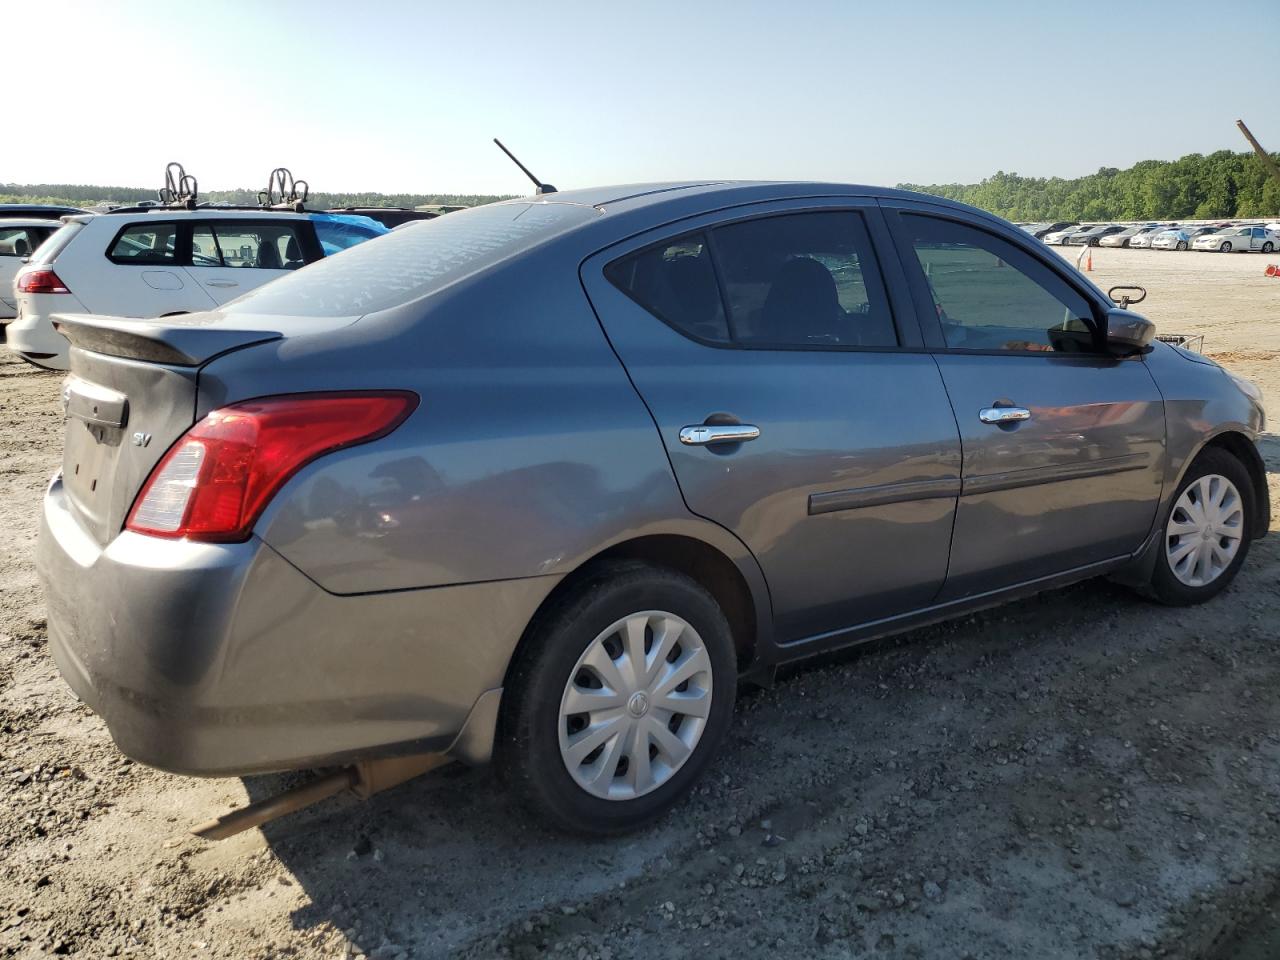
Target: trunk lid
(132,393)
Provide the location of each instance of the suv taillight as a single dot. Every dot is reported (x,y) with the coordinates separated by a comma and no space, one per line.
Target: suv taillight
(217,479)
(41,281)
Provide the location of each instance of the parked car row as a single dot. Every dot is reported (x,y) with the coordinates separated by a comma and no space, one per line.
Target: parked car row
(1222,237)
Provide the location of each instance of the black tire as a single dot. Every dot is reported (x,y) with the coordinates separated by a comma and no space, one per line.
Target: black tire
(1225,248)
(1268,247)
(1182,245)
(527,752)
(1164,585)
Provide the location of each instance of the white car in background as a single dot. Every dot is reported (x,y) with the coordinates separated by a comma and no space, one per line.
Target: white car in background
(1142,241)
(1055,238)
(1238,240)
(1179,238)
(159,261)
(19,238)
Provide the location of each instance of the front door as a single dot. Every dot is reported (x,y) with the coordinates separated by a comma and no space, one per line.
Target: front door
(1063,444)
(797,410)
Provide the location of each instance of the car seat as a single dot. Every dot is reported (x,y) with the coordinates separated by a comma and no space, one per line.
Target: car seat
(292,254)
(269,256)
(803,304)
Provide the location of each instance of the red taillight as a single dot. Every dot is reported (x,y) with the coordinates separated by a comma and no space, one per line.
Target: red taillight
(215,481)
(41,281)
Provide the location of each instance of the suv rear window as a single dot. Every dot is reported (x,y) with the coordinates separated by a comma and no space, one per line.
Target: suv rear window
(50,249)
(413,261)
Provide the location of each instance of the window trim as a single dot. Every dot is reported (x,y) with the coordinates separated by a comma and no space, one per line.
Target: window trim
(707,225)
(923,300)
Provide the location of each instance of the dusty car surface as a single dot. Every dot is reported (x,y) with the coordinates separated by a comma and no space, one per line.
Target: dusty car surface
(544,480)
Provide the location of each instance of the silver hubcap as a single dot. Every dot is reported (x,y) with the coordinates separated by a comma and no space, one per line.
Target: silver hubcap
(1204,531)
(635,705)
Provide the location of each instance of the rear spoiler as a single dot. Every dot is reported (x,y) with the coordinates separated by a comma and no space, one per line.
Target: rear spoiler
(188,340)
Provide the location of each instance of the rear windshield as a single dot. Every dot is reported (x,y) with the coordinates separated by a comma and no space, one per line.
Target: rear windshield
(50,249)
(413,261)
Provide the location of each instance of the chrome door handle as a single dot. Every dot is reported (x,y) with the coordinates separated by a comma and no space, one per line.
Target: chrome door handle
(221,283)
(703,434)
(1004,414)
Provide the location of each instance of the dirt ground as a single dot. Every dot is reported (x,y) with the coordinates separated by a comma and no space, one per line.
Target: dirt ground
(1080,774)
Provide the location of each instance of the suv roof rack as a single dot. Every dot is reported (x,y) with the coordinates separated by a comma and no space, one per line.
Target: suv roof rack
(180,192)
(284,192)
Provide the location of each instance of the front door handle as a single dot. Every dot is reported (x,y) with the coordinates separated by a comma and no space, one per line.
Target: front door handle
(221,283)
(704,433)
(1000,415)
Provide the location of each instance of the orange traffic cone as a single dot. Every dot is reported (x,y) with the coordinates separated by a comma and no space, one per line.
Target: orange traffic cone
(1088,264)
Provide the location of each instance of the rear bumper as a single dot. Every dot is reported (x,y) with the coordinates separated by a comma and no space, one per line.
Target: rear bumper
(32,335)
(224,659)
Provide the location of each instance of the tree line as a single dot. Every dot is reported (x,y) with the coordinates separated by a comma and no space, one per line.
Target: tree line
(74,194)
(1196,187)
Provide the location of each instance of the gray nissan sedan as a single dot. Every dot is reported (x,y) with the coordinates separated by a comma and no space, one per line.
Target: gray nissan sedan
(543,481)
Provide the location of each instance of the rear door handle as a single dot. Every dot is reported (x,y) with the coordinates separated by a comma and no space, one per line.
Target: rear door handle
(703,434)
(999,415)
(221,283)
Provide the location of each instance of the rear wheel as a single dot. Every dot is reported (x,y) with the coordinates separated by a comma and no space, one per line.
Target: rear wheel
(618,700)
(1206,532)
(1182,244)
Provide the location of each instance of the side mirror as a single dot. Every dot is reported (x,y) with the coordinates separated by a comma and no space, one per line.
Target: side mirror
(1128,332)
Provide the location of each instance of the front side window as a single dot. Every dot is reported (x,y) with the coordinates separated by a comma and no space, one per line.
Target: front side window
(146,243)
(272,246)
(676,282)
(990,295)
(804,279)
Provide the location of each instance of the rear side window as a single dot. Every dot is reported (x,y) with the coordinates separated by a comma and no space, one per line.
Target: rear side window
(411,263)
(145,243)
(794,280)
(676,282)
(49,250)
(990,295)
(805,279)
(240,243)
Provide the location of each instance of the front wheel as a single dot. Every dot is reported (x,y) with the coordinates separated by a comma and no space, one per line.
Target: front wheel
(1268,247)
(1225,248)
(618,700)
(1206,531)
(1182,245)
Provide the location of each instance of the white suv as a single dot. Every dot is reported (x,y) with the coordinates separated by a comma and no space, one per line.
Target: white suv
(158,261)
(19,238)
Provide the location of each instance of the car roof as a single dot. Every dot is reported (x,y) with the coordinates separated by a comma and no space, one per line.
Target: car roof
(10,210)
(695,196)
(8,222)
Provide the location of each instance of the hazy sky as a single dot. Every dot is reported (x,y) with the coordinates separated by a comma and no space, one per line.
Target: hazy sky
(405,96)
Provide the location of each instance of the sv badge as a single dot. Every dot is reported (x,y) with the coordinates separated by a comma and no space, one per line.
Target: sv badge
(141,439)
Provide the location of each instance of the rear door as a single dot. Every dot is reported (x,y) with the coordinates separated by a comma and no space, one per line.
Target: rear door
(841,461)
(144,275)
(1063,444)
(230,257)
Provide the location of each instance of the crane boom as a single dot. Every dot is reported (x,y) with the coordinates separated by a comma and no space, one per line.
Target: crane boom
(1265,157)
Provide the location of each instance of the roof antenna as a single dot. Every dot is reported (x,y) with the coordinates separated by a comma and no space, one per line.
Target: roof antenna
(542,187)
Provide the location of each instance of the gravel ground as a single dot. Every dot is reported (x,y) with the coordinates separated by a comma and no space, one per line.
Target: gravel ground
(1081,774)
